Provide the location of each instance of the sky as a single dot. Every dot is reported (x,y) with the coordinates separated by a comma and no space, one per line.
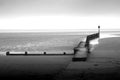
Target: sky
(59,14)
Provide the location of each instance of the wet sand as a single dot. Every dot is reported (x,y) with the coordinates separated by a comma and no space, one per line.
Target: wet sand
(32,67)
(102,64)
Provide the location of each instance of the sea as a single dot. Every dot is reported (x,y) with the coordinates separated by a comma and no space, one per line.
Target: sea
(42,41)
(39,41)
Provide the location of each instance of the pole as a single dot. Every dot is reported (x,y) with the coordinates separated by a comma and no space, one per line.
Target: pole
(99,31)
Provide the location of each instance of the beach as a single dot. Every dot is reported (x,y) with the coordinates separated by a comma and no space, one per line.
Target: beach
(103,63)
(36,66)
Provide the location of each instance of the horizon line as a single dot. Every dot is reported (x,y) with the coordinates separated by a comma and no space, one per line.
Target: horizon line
(54,30)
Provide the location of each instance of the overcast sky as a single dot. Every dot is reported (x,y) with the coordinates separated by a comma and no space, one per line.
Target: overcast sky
(59,14)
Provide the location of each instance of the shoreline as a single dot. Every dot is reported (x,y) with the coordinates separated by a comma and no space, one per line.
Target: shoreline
(102,63)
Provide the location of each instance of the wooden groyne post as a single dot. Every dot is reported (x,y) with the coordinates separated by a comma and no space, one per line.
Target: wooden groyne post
(7,53)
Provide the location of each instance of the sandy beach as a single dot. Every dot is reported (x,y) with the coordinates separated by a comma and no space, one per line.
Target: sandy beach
(103,63)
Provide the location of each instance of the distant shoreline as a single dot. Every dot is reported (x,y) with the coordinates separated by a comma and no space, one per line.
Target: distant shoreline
(81,33)
(55,30)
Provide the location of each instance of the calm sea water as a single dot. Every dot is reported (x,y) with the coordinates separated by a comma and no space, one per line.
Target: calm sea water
(39,41)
